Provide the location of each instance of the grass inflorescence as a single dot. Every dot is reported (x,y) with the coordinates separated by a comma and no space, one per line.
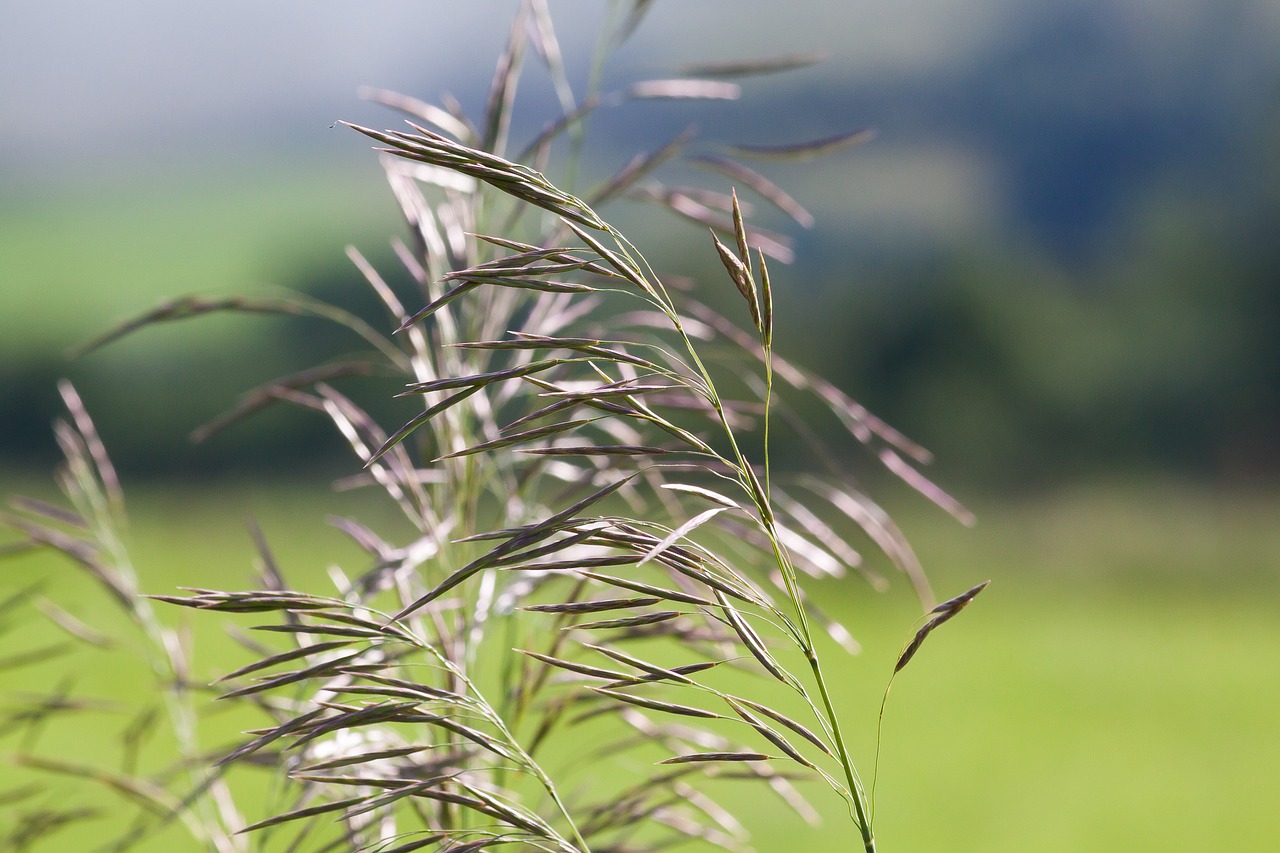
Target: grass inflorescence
(601,546)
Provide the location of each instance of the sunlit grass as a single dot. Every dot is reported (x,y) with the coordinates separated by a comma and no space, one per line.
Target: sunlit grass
(1111,691)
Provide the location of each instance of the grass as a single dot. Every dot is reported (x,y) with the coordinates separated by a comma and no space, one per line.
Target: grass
(80,258)
(1120,700)
(601,607)
(570,429)
(1084,706)
(1101,726)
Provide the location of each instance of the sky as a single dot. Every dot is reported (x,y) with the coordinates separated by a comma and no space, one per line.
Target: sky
(90,92)
(83,84)
(990,114)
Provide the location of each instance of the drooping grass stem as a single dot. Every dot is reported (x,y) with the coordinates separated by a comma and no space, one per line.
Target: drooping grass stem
(761,497)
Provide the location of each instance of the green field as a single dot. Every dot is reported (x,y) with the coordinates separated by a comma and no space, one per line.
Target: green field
(78,259)
(1114,690)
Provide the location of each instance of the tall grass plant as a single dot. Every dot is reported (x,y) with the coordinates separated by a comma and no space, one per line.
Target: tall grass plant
(609,600)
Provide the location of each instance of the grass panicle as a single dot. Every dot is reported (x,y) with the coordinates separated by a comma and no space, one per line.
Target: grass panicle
(600,546)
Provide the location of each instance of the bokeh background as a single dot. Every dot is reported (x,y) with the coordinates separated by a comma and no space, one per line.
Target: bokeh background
(1057,266)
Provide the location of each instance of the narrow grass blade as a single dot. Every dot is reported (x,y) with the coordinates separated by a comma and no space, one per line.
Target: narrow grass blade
(517,438)
(420,110)
(363,758)
(749,67)
(295,725)
(296,306)
(50,512)
(680,533)
(759,183)
(297,814)
(701,492)
(924,486)
(324,668)
(652,671)
(149,796)
(416,844)
(502,91)
(436,304)
(804,150)
(766,303)
(74,626)
(625,268)
(772,736)
(633,20)
(685,88)
(569,121)
(640,166)
(275,391)
(597,450)
(775,245)
(418,420)
(783,719)
(482,379)
(284,657)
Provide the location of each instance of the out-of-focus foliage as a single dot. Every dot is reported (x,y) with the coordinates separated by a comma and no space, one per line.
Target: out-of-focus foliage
(1012,368)
(1100,293)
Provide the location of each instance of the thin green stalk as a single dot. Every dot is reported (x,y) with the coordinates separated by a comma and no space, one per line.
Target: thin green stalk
(768,402)
(525,759)
(164,668)
(856,794)
(788,571)
(855,787)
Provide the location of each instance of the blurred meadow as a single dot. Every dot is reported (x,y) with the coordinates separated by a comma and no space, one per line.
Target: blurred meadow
(1055,266)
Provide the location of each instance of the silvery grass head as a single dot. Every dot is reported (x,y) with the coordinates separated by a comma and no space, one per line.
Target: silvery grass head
(605,571)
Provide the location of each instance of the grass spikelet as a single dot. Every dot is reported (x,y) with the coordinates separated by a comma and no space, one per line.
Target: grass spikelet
(766,304)
(940,614)
(685,88)
(741,278)
(627,621)
(701,757)
(658,705)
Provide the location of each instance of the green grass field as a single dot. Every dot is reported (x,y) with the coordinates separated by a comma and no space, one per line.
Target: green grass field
(76,260)
(1114,690)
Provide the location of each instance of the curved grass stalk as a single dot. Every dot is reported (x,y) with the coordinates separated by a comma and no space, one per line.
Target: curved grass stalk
(553,461)
(630,263)
(855,790)
(89,483)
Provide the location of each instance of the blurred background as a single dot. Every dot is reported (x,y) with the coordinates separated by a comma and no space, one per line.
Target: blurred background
(1056,266)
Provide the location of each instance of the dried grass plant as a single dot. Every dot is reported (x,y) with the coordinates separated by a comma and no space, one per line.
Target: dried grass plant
(603,552)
